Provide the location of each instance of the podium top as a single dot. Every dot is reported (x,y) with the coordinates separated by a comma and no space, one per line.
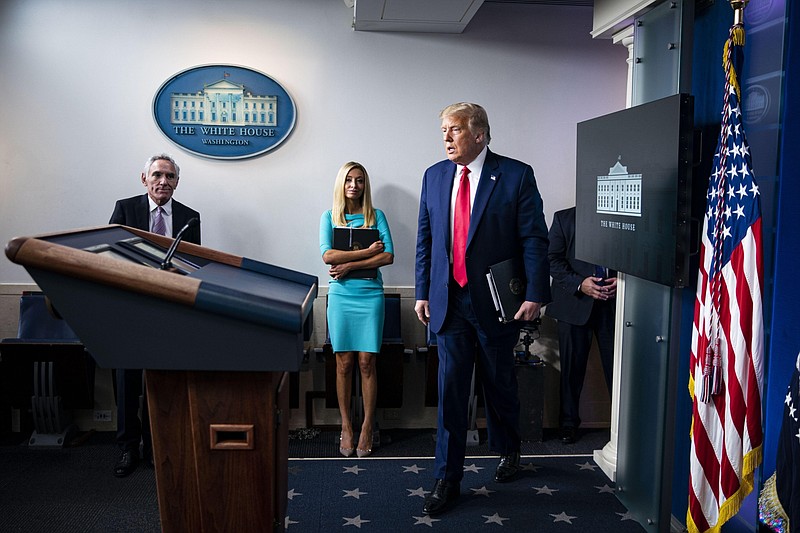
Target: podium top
(224,284)
(105,280)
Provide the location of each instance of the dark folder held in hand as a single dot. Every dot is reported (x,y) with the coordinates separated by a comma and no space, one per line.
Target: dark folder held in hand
(348,239)
(507,282)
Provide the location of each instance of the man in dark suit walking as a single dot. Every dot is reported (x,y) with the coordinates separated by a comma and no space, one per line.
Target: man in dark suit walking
(584,303)
(157,212)
(477,208)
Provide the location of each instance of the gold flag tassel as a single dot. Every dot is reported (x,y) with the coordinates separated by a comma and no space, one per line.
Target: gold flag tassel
(738,21)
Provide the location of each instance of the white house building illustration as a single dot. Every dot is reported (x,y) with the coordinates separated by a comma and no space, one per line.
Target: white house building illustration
(223,102)
(619,193)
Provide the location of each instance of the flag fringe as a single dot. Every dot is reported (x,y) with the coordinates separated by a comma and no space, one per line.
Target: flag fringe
(731,505)
(770,510)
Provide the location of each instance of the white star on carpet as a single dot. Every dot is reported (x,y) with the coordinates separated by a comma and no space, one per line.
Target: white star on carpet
(473,468)
(530,466)
(352,469)
(355,521)
(291,494)
(587,466)
(294,470)
(483,491)
(413,468)
(355,493)
(418,492)
(563,517)
(287,522)
(494,519)
(625,516)
(606,489)
(544,490)
(425,520)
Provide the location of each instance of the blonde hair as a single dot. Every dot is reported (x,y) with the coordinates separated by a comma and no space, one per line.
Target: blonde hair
(338,210)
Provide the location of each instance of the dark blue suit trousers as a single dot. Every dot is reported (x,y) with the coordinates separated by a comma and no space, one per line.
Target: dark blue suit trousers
(461,343)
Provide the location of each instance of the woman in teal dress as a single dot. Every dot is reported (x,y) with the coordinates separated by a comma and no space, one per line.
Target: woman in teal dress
(355,306)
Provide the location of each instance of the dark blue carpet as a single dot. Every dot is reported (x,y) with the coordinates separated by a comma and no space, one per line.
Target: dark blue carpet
(552,494)
(73,489)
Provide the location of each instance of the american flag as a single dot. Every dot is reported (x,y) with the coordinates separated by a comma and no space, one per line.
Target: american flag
(728,337)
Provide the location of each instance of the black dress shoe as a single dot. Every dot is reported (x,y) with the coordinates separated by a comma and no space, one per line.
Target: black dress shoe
(126,464)
(569,435)
(442,497)
(507,468)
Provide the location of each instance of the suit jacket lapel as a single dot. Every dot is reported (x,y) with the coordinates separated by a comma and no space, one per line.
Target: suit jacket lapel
(489,176)
(178,217)
(443,195)
(143,214)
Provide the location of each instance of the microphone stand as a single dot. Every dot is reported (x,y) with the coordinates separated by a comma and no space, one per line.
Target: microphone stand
(167,262)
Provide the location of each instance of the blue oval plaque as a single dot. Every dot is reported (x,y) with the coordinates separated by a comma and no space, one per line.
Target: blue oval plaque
(224,111)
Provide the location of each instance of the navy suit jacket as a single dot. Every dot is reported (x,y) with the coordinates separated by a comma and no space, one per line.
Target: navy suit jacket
(569,304)
(507,221)
(135,212)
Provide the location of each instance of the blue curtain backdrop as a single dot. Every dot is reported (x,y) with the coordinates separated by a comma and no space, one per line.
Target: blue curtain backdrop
(785,343)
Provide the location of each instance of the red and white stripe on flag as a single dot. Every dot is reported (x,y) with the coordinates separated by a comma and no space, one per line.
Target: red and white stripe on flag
(728,335)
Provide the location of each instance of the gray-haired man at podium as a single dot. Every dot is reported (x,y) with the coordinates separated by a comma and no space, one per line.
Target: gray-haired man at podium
(155,212)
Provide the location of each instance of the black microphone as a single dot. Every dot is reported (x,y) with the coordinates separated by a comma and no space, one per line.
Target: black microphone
(167,262)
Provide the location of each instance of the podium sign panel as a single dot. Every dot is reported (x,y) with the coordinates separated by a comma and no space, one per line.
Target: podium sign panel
(633,182)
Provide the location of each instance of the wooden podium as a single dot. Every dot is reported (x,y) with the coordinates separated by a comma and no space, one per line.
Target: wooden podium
(216,334)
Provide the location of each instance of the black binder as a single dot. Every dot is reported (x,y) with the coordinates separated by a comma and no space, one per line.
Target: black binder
(356,239)
(507,283)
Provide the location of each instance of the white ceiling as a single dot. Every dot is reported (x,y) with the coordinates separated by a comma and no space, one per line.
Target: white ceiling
(437,16)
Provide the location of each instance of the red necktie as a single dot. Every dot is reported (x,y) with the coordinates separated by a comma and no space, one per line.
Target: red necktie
(461,230)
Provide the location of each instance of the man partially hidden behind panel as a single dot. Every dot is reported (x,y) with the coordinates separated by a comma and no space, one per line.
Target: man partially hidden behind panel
(156,212)
(584,303)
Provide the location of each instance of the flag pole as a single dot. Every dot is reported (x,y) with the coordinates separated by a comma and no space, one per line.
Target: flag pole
(738,10)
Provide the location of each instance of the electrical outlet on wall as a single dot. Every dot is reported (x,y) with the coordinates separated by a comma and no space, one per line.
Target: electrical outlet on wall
(102,415)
